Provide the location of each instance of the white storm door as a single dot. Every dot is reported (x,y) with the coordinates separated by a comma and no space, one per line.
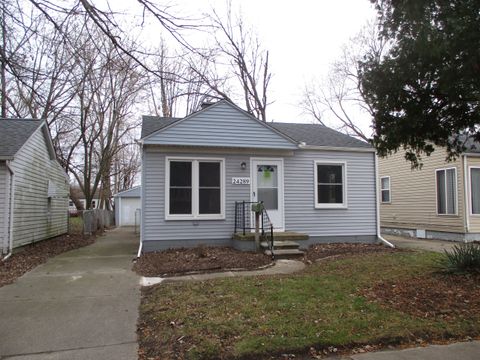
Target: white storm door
(267,186)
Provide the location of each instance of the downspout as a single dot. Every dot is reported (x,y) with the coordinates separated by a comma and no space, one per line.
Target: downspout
(377,198)
(466,207)
(10,226)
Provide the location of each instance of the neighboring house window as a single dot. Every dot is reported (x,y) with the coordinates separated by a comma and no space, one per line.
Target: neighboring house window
(385,188)
(475,190)
(195,189)
(330,185)
(446,191)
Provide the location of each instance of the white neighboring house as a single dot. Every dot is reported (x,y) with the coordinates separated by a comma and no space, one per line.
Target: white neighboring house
(128,207)
(33,186)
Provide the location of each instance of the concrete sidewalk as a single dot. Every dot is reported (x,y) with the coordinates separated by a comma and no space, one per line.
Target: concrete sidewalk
(457,351)
(281,267)
(82,304)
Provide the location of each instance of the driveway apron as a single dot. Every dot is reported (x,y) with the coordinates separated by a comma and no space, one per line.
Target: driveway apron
(82,304)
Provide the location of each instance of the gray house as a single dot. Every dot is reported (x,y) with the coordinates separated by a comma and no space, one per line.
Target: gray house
(197,171)
(33,185)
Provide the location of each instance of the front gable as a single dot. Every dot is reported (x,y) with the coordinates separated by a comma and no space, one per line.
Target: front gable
(221,125)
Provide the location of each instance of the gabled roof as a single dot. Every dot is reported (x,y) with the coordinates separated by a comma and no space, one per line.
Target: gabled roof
(318,135)
(130,193)
(315,135)
(14,133)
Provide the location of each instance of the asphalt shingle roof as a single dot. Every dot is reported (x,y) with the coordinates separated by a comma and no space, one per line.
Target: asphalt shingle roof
(310,134)
(14,133)
(318,135)
(150,124)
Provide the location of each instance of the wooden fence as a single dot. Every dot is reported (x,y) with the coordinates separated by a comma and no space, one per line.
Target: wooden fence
(97,220)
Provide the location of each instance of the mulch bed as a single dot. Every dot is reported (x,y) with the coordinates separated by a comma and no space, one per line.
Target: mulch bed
(435,295)
(322,251)
(199,259)
(30,256)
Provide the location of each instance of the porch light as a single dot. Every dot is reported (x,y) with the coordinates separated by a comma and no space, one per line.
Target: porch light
(243,165)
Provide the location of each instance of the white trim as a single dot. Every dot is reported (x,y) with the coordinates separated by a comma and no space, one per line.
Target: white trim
(470,212)
(336,148)
(389,190)
(281,181)
(377,206)
(456,191)
(344,204)
(195,189)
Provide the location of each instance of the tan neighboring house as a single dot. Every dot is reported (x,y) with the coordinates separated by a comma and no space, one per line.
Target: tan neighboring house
(441,200)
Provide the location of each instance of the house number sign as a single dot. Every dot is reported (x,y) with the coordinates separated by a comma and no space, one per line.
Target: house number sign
(240,180)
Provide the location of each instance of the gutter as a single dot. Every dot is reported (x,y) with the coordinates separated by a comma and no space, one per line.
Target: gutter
(466,197)
(377,197)
(304,146)
(10,226)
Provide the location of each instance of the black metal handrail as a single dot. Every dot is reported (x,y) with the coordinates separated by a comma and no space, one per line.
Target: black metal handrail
(244,223)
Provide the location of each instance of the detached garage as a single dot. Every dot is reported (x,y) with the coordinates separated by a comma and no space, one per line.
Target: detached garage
(127,207)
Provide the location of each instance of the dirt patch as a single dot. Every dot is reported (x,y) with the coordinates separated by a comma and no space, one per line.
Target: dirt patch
(199,259)
(31,256)
(435,295)
(322,251)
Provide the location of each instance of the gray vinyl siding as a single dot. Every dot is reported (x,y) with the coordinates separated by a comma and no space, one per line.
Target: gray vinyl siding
(3,207)
(33,168)
(221,125)
(358,220)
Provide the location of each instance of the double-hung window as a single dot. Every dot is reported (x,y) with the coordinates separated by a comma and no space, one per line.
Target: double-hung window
(446,191)
(330,185)
(194,189)
(385,189)
(475,190)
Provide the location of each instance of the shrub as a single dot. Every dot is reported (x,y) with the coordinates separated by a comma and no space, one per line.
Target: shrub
(463,257)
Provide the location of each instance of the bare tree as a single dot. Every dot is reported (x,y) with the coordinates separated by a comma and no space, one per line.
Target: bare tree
(237,63)
(340,95)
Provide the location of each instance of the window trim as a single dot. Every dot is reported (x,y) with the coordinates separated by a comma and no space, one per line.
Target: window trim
(470,203)
(195,189)
(389,189)
(318,205)
(456,190)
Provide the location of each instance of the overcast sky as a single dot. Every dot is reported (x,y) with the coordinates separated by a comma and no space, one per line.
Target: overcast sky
(304,37)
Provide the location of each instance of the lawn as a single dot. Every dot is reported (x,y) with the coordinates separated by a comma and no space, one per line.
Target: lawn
(321,307)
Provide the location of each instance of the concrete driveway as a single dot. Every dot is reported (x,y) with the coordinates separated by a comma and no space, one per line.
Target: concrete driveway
(420,244)
(82,304)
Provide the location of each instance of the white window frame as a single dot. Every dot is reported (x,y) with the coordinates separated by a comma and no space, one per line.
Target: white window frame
(195,189)
(456,190)
(318,205)
(470,203)
(389,190)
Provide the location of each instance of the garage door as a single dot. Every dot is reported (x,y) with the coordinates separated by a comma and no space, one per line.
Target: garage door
(127,211)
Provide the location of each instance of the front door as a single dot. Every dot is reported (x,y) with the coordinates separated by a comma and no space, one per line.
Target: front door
(267,186)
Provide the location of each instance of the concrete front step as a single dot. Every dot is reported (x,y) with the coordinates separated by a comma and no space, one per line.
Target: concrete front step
(280,245)
(285,254)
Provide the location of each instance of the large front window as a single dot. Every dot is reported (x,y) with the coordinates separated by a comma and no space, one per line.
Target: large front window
(195,189)
(446,191)
(330,185)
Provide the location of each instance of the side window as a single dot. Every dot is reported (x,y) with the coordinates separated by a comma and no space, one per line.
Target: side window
(385,189)
(446,180)
(475,190)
